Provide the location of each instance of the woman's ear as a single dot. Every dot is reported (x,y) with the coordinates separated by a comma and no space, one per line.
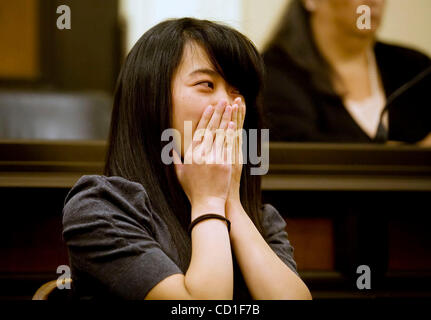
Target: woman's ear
(310,5)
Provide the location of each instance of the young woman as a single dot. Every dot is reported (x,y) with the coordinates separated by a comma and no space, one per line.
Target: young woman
(127,231)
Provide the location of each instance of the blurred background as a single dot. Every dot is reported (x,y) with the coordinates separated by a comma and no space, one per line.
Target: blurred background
(345,205)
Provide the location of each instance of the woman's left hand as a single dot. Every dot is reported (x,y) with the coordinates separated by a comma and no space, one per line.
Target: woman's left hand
(238,116)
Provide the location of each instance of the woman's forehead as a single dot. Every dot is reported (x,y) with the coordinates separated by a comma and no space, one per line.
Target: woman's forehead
(194,57)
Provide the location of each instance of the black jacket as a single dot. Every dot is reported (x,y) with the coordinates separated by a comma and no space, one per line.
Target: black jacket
(297,108)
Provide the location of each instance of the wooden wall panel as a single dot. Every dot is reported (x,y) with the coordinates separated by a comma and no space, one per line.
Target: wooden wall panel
(19,39)
(313,243)
(409,244)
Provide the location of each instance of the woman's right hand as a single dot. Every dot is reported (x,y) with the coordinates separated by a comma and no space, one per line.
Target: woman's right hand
(206,172)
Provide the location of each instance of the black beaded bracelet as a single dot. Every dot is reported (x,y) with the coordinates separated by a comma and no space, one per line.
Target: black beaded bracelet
(209,216)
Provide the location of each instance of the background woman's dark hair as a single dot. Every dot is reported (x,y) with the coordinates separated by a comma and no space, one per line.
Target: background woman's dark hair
(294,37)
(143,109)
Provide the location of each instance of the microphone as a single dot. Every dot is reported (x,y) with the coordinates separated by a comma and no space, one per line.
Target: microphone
(400,91)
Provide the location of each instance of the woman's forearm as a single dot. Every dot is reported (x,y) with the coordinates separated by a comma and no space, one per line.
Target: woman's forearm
(210,274)
(266,275)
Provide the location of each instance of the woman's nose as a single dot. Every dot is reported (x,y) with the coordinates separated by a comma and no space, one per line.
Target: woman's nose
(224,95)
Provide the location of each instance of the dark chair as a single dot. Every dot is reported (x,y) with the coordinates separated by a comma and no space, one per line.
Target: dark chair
(54,115)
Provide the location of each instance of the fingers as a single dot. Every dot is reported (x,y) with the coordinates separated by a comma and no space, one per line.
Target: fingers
(201,127)
(221,121)
(219,144)
(216,153)
(241,111)
(239,116)
(235,143)
(218,113)
(210,118)
(235,114)
(206,116)
(229,143)
(226,117)
(221,133)
(213,124)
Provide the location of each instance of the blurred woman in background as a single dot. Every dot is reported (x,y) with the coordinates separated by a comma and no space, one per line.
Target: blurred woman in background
(329,81)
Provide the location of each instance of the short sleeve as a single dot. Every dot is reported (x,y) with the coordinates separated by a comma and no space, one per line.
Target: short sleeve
(274,227)
(107,227)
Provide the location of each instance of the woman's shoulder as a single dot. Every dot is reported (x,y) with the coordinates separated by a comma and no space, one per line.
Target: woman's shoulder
(275,233)
(400,50)
(98,194)
(112,183)
(398,57)
(90,186)
(272,220)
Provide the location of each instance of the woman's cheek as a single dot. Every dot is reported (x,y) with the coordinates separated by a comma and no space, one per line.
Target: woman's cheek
(192,105)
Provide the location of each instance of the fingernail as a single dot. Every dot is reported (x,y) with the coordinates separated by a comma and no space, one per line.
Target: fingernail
(228,109)
(209,109)
(222,104)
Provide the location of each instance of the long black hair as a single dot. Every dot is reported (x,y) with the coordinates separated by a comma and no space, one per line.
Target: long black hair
(143,110)
(293,35)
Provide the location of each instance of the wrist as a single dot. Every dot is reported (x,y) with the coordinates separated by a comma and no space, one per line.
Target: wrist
(234,208)
(233,195)
(208,205)
(233,202)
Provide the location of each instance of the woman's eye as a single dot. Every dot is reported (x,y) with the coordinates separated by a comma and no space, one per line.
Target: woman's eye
(207,84)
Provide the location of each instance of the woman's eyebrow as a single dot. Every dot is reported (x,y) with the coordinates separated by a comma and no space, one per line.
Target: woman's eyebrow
(204,71)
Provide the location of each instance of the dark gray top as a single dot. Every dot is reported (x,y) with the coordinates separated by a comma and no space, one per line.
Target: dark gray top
(119,247)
